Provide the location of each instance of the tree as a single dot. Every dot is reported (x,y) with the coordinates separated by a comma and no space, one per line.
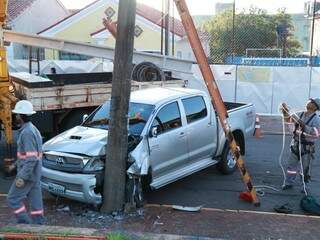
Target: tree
(252,29)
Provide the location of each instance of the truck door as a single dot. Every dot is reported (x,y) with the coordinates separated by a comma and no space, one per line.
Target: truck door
(168,149)
(201,128)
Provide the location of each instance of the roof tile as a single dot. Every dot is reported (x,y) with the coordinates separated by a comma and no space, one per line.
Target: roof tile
(17,7)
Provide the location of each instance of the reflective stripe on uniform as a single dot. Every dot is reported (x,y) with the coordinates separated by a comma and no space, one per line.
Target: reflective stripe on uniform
(291,172)
(25,155)
(37,212)
(20,210)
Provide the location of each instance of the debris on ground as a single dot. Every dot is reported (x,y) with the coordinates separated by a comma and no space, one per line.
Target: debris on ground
(187,209)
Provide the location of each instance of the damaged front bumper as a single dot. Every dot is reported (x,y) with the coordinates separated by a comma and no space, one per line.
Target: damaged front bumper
(79,187)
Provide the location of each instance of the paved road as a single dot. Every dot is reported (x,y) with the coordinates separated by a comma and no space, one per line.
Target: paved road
(213,190)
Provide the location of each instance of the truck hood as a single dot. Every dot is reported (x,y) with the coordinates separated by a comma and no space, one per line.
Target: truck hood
(79,140)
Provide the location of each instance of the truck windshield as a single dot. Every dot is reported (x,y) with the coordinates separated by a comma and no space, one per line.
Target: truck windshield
(138,116)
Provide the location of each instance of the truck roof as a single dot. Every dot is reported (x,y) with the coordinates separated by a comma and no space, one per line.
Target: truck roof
(159,95)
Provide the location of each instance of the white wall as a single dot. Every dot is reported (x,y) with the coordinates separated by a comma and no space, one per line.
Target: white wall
(41,14)
(183,46)
(266,87)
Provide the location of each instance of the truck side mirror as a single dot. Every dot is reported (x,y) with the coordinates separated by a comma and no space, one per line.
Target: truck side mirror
(153,132)
(84,117)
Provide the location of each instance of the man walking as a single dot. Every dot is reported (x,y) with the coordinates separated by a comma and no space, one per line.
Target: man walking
(26,187)
(306,132)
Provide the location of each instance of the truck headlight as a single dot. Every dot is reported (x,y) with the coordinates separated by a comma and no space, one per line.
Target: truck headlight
(94,164)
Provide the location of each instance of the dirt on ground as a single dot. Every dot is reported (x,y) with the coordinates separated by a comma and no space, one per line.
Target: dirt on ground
(222,224)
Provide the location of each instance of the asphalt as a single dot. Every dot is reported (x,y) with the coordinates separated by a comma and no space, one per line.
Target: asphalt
(223,214)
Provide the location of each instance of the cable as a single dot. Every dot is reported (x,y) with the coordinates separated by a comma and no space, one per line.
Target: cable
(282,150)
(301,166)
(296,119)
(146,72)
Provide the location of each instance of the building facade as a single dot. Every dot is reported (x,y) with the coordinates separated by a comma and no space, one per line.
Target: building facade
(30,16)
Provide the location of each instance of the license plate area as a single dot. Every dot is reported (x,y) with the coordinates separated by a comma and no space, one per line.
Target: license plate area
(56,188)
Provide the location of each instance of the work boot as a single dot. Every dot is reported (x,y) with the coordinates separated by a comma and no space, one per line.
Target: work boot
(286,187)
(39,220)
(23,218)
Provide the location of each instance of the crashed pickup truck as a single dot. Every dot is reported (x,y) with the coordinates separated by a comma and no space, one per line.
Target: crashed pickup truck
(173,132)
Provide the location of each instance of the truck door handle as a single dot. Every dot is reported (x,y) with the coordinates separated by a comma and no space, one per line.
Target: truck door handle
(182,134)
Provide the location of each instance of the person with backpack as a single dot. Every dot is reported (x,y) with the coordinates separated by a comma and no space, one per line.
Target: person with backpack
(306,132)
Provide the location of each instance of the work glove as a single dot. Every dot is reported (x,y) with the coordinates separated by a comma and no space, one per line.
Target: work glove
(20,183)
(284,109)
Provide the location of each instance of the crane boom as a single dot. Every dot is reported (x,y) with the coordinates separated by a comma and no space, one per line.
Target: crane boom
(164,62)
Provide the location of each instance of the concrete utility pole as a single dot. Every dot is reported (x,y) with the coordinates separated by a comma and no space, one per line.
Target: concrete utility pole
(117,149)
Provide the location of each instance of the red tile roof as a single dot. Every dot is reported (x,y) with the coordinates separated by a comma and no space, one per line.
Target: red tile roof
(151,14)
(155,16)
(16,7)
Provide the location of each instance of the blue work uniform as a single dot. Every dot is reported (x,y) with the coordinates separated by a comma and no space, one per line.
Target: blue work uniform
(29,163)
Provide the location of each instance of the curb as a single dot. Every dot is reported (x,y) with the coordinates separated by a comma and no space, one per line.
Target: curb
(36,236)
(46,232)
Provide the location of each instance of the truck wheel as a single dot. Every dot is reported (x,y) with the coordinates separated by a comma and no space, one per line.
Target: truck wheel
(227,164)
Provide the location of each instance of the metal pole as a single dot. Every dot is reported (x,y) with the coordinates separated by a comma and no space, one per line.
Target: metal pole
(166,37)
(312,30)
(233,30)
(311,45)
(173,33)
(117,149)
(162,23)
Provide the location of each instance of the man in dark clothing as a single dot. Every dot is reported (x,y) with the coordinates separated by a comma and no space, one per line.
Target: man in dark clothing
(29,161)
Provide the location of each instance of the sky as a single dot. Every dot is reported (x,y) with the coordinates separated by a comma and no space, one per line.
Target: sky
(206,7)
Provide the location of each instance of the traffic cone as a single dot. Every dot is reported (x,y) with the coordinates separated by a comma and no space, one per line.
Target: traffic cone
(257,129)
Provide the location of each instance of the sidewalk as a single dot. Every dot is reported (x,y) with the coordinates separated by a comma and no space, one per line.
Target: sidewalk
(157,219)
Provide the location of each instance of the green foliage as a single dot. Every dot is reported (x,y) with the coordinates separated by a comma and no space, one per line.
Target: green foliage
(117,236)
(254,28)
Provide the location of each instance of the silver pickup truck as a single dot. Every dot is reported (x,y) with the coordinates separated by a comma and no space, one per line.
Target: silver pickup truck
(173,132)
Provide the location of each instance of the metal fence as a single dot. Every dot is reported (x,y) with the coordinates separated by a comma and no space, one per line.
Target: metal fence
(262,33)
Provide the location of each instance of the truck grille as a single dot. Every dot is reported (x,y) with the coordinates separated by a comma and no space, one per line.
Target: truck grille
(63,163)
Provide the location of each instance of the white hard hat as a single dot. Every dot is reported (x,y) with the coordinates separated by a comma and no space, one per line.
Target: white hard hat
(23,107)
(316,101)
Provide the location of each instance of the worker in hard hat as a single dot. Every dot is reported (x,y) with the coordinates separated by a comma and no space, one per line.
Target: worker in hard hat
(29,161)
(305,133)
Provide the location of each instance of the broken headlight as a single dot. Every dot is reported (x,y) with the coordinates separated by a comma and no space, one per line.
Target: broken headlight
(94,164)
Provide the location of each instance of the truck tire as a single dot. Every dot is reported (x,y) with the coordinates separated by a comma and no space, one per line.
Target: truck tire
(227,164)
